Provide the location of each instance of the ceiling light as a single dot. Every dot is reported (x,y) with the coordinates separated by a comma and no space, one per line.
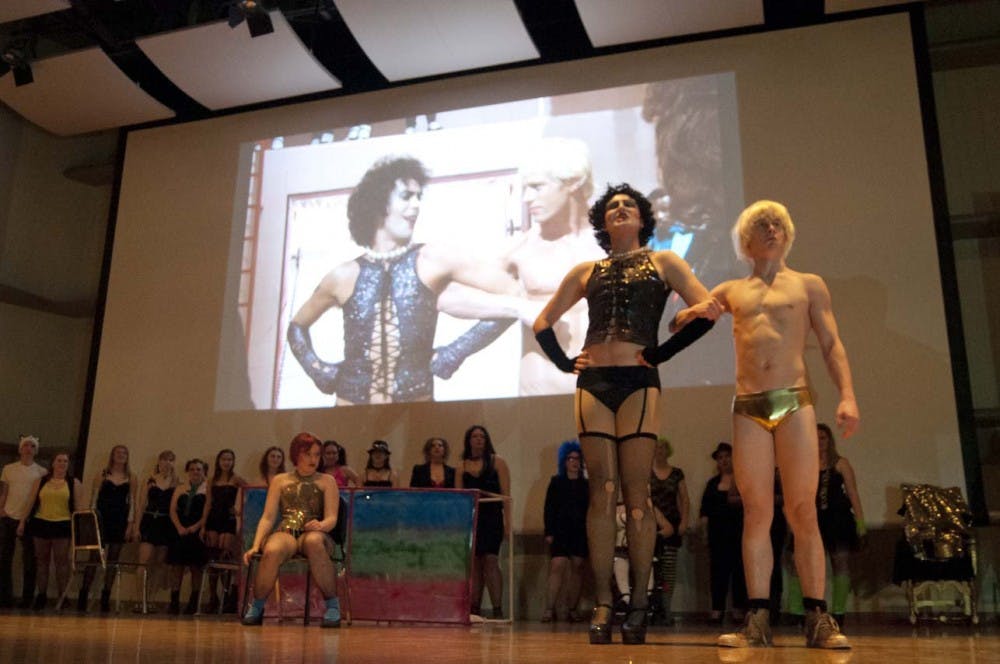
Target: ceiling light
(253,12)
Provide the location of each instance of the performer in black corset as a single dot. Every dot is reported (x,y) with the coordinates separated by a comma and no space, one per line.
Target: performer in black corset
(389,298)
(618,386)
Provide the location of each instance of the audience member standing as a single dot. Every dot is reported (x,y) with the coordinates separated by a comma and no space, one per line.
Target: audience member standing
(671,506)
(189,509)
(566,502)
(222,527)
(271,463)
(113,497)
(16,481)
(54,497)
(482,469)
(155,532)
(334,464)
(378,471)
(722,514)
(434,472)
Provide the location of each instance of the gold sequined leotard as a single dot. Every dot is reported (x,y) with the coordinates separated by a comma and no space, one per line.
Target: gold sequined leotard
(301,502)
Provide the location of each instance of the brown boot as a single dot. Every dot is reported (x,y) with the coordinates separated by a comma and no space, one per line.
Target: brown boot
(822,631)
(755,633)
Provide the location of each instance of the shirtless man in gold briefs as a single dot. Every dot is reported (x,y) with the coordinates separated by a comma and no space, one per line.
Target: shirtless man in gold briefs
(774,421)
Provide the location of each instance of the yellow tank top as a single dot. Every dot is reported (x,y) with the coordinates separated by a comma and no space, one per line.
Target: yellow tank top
(53,502)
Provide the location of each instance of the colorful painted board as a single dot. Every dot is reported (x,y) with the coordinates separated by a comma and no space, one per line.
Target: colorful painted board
(410,554)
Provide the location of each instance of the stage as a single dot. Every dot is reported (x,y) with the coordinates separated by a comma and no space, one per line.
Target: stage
(158,639)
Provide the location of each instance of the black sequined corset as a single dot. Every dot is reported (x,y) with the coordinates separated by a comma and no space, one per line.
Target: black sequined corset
(389,324)
(626,297)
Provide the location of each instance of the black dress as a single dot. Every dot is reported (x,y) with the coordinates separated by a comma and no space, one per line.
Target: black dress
(112,510)
(566,516)
(222,513)
(189,550)
(724,510)
(489,526)
(156,527)
(834,513)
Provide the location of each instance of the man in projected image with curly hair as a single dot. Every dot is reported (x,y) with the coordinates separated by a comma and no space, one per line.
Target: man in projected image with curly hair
(389,298)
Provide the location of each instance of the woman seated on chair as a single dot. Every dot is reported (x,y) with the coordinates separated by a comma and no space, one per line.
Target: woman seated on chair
(308,502)
(54,497)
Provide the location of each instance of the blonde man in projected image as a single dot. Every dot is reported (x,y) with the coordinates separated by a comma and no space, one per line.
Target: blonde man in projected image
(389,298)
(774,421)
(556,185)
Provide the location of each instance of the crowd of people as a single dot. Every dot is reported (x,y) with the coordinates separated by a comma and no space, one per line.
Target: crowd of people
(780,461)
(182,523)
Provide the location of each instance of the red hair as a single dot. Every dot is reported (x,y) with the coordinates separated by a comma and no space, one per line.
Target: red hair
(303,442)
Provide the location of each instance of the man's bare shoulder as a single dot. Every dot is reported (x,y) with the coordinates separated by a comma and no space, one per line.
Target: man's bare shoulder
(347,271)
(813,283)
(730,286)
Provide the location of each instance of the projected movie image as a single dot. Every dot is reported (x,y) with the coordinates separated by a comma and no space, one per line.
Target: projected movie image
(406,261)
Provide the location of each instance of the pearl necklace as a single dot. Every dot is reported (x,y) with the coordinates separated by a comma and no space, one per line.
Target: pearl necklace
(386,255)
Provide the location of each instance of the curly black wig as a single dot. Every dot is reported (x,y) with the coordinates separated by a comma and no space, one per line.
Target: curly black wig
(366,208)
(597,210)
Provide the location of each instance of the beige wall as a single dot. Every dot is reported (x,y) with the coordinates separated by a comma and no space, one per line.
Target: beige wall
(52,233)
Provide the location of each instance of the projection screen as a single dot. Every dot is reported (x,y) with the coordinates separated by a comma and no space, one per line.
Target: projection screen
(226,227)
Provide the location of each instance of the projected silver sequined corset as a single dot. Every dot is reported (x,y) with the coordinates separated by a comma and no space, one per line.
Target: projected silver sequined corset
(626,297)
(389,324)
(301,502)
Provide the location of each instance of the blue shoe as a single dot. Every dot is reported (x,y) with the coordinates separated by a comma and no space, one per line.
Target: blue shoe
(254,614)
(332,616)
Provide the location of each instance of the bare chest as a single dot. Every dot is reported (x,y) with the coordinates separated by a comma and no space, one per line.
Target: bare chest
(781,306)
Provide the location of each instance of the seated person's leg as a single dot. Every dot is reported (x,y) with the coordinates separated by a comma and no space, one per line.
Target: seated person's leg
(278,548)
(317,547)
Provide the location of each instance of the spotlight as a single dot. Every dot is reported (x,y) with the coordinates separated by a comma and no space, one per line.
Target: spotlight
(15,58)
(253,12)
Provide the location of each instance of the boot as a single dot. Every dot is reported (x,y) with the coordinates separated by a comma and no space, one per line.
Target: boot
(755,633)
(40,601)
(255,613)
(174,608)
(213,602)
(230,600)
(82,599)
(192,605)
(656,613)
(105,600)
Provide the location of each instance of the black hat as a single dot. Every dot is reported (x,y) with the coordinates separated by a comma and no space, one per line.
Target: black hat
(379,446)
(722,447)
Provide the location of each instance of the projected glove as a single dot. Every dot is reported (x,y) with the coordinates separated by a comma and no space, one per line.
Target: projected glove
(678,342)
(324,374)
(447,359)
(550,345)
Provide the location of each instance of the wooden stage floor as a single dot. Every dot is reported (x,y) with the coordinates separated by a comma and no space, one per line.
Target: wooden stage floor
(156,639)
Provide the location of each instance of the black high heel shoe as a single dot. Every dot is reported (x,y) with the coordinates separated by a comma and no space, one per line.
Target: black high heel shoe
(634,627)
(600,629)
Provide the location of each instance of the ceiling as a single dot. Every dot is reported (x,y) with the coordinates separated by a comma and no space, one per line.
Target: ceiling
(100,64)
